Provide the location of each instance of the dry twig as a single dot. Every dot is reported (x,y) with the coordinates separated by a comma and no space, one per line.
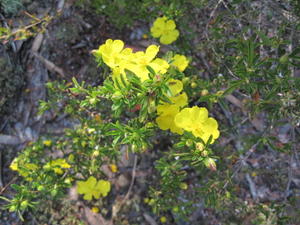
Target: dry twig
(117,207)
(50,65)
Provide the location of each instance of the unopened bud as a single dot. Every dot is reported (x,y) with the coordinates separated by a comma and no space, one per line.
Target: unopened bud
(199,146)
(189,142)
(210,164)
(185,80)
(183,186)
(96,153)
(194,85)
(284,59)
(24,204)
(204,92)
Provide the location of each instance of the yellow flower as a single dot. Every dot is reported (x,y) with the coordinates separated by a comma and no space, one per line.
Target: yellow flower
(167,112)
(24,169)
(180,62)
(196,120)
(180,100)
(110,52)
(57,165)
(138,65)
(165,29)
(163,219)
(183,186)
(14,165)
(47,143)
(91,188)
(95,209)
(166,117)
(60,162)
(159,65)
(113,168)
(175,86)
(119,60)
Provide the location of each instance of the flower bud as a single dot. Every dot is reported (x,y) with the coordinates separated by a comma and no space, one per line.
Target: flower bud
(163,219)
(146,200)
(47,143)
(175,209)
(204,92)
(189,143)
(284,59)
(151,201)
(194,85)
(220,93)
(183,186)
(210,164)
(149,125)
(151,106)
(53,192)
(40,188)
(113,168)
(12,208)
(23,204)
(92,101)
(96,153)
(199,146)
(95,209)
(83,143)
(185,80)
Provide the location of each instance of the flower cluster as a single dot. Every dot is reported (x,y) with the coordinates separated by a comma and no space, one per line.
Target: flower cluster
(196,120)
(24,169)
(165,30)
(172,115)
(57,165)
(119,58)
(193,119)
(180,62)
(167,112)
(93,188)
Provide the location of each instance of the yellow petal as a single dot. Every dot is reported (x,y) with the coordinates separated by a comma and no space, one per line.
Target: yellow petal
(170,25)
(164,122)
(210,125)
(175,86)
(199,115)
(158,27)
(95,209)
(159,65)
(180,100)
(58,171)
(104,187)
(183,119)
(169,37)
(81,187)
(14,164)
(117,45)
(91,181)
(151,52)
(167,109)
(88,196)
(180,62)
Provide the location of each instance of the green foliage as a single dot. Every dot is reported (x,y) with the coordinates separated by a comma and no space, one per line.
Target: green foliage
(11,7)
(136,10)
